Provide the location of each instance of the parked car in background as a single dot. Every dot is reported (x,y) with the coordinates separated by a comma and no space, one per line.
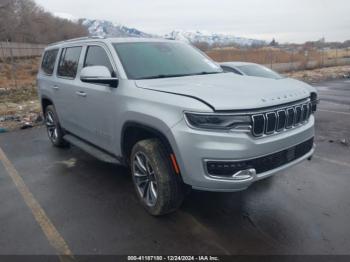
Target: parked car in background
(250,69)
(173,116)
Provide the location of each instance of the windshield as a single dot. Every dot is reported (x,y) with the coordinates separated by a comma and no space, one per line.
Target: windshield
(259,71)
(147,60)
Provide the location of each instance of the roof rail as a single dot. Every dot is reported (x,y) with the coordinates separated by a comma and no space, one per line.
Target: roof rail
(77,39)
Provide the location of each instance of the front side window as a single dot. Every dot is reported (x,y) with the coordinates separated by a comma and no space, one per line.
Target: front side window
(147,60)
(97,56)
(69,61)
(48,63)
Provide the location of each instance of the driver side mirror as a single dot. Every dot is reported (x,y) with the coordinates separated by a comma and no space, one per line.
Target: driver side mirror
(98,75)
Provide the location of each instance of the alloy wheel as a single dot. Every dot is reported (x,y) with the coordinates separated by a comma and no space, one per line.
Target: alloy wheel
(144,178)
(51,126)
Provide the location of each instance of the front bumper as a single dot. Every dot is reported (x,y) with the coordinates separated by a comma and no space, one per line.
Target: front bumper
(194,147)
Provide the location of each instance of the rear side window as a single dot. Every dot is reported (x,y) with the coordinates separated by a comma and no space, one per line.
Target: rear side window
(69,61)
(49,60)
(97,56)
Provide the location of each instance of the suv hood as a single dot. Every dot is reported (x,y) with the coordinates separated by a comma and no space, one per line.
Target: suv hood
(226,91)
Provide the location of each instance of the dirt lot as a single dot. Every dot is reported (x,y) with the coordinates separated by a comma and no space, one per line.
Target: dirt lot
(321,74)
(19,105)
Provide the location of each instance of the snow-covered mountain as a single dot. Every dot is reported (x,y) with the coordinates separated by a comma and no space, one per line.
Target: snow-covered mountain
(66,16)
(107,28)
(213,38)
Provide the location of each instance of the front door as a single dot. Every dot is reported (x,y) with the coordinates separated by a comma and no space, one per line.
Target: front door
(95,107)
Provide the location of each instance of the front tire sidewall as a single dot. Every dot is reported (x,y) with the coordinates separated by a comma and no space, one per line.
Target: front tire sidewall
(169,188)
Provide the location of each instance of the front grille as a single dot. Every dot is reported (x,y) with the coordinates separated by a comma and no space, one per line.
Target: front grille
(261,164)
(281,119)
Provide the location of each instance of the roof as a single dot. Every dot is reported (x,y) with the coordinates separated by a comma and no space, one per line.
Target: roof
(110,40)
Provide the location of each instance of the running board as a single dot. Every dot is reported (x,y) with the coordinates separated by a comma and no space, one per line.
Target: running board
(90,149)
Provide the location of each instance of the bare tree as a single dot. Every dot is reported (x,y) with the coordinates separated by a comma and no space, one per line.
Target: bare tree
(25,21)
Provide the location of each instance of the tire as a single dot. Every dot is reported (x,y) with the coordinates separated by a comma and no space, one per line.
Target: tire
(54,129)
(152,172)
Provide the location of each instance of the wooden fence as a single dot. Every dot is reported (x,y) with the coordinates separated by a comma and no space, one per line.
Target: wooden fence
(20,50)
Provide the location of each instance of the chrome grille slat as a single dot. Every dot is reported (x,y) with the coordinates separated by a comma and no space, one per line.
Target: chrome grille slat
(304,113)
(297,115)
(290,117)
(271,121)
(281,119)
(258,128)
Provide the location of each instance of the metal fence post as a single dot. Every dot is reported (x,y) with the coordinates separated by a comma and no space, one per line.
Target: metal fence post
(291,68)
(271,58)
(14,77)
(336,56)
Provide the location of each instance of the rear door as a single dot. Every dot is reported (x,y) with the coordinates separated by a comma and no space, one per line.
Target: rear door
(97,104)
(66,86)
(46,79)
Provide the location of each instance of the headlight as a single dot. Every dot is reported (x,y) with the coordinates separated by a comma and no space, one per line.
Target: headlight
(217,121)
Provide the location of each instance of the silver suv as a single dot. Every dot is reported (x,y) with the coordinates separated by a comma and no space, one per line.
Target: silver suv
(173,116)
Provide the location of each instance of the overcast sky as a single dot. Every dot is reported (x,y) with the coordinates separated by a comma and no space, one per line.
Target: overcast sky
(286,20)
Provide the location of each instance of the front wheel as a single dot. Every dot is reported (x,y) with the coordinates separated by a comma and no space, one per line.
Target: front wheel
(158,187)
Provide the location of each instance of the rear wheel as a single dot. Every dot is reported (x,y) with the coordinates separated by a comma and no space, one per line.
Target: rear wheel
(53,127)
(158,187)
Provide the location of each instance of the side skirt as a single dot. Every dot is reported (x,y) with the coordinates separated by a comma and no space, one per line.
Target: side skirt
(93,150)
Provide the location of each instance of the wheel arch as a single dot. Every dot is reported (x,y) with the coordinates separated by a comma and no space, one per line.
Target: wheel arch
(133,131)
(45,101)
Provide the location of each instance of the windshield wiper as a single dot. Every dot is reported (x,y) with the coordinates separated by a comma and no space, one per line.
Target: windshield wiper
(163,76)
(177,75)
(207,73)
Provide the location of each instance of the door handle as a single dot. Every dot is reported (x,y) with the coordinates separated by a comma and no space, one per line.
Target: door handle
(55,88)
(81,93)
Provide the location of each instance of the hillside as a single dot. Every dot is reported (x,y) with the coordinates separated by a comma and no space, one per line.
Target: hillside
(107,28)
(25,21)
(214,38)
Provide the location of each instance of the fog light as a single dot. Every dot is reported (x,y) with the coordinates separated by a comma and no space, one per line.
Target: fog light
(244,174)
